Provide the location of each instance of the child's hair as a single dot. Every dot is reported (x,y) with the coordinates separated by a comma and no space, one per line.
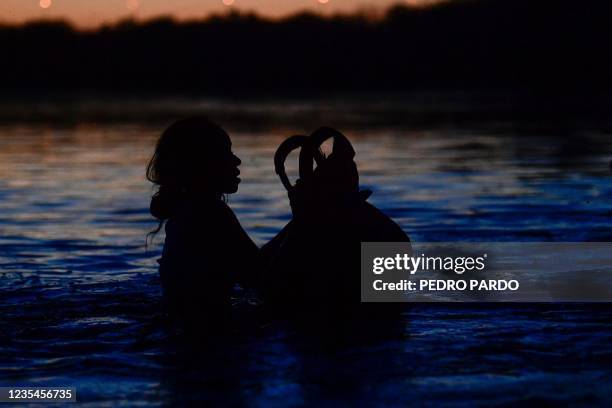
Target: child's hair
(183,154)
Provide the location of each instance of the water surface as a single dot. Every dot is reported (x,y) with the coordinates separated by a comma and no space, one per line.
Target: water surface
(79,292)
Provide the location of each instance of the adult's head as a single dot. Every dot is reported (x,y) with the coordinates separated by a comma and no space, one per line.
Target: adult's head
(192,157)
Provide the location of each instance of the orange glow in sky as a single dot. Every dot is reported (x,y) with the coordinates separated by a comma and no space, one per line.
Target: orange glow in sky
(92,13)
(132,5)
(421,3)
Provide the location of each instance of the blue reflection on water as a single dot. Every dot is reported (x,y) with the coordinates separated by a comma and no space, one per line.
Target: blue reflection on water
(79,293)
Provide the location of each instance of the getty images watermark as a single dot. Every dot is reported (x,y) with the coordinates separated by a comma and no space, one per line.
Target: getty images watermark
(489,272)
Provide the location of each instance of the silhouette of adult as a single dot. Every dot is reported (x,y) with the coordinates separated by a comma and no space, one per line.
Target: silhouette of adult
(206,251)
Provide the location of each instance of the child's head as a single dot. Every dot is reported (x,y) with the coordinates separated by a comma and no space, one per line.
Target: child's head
(336,175)
(192,157)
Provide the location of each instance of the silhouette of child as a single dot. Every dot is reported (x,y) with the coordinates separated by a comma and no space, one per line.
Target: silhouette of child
(314,262)
(206,251)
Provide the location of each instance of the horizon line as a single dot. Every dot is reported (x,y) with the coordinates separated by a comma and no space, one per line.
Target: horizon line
(370,13)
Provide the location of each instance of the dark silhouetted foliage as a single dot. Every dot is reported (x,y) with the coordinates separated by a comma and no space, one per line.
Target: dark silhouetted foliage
(558,45)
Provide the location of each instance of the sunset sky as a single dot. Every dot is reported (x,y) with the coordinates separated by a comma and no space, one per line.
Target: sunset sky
(91,13)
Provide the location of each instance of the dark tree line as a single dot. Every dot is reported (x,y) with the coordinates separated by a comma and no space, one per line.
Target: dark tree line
(560,45)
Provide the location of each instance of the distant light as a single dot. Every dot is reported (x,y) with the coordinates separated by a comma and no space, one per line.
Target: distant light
(323,1)
(228,2)
(132,5)
(45,4)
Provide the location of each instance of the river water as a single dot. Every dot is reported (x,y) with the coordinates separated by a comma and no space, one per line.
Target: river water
(79,292)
